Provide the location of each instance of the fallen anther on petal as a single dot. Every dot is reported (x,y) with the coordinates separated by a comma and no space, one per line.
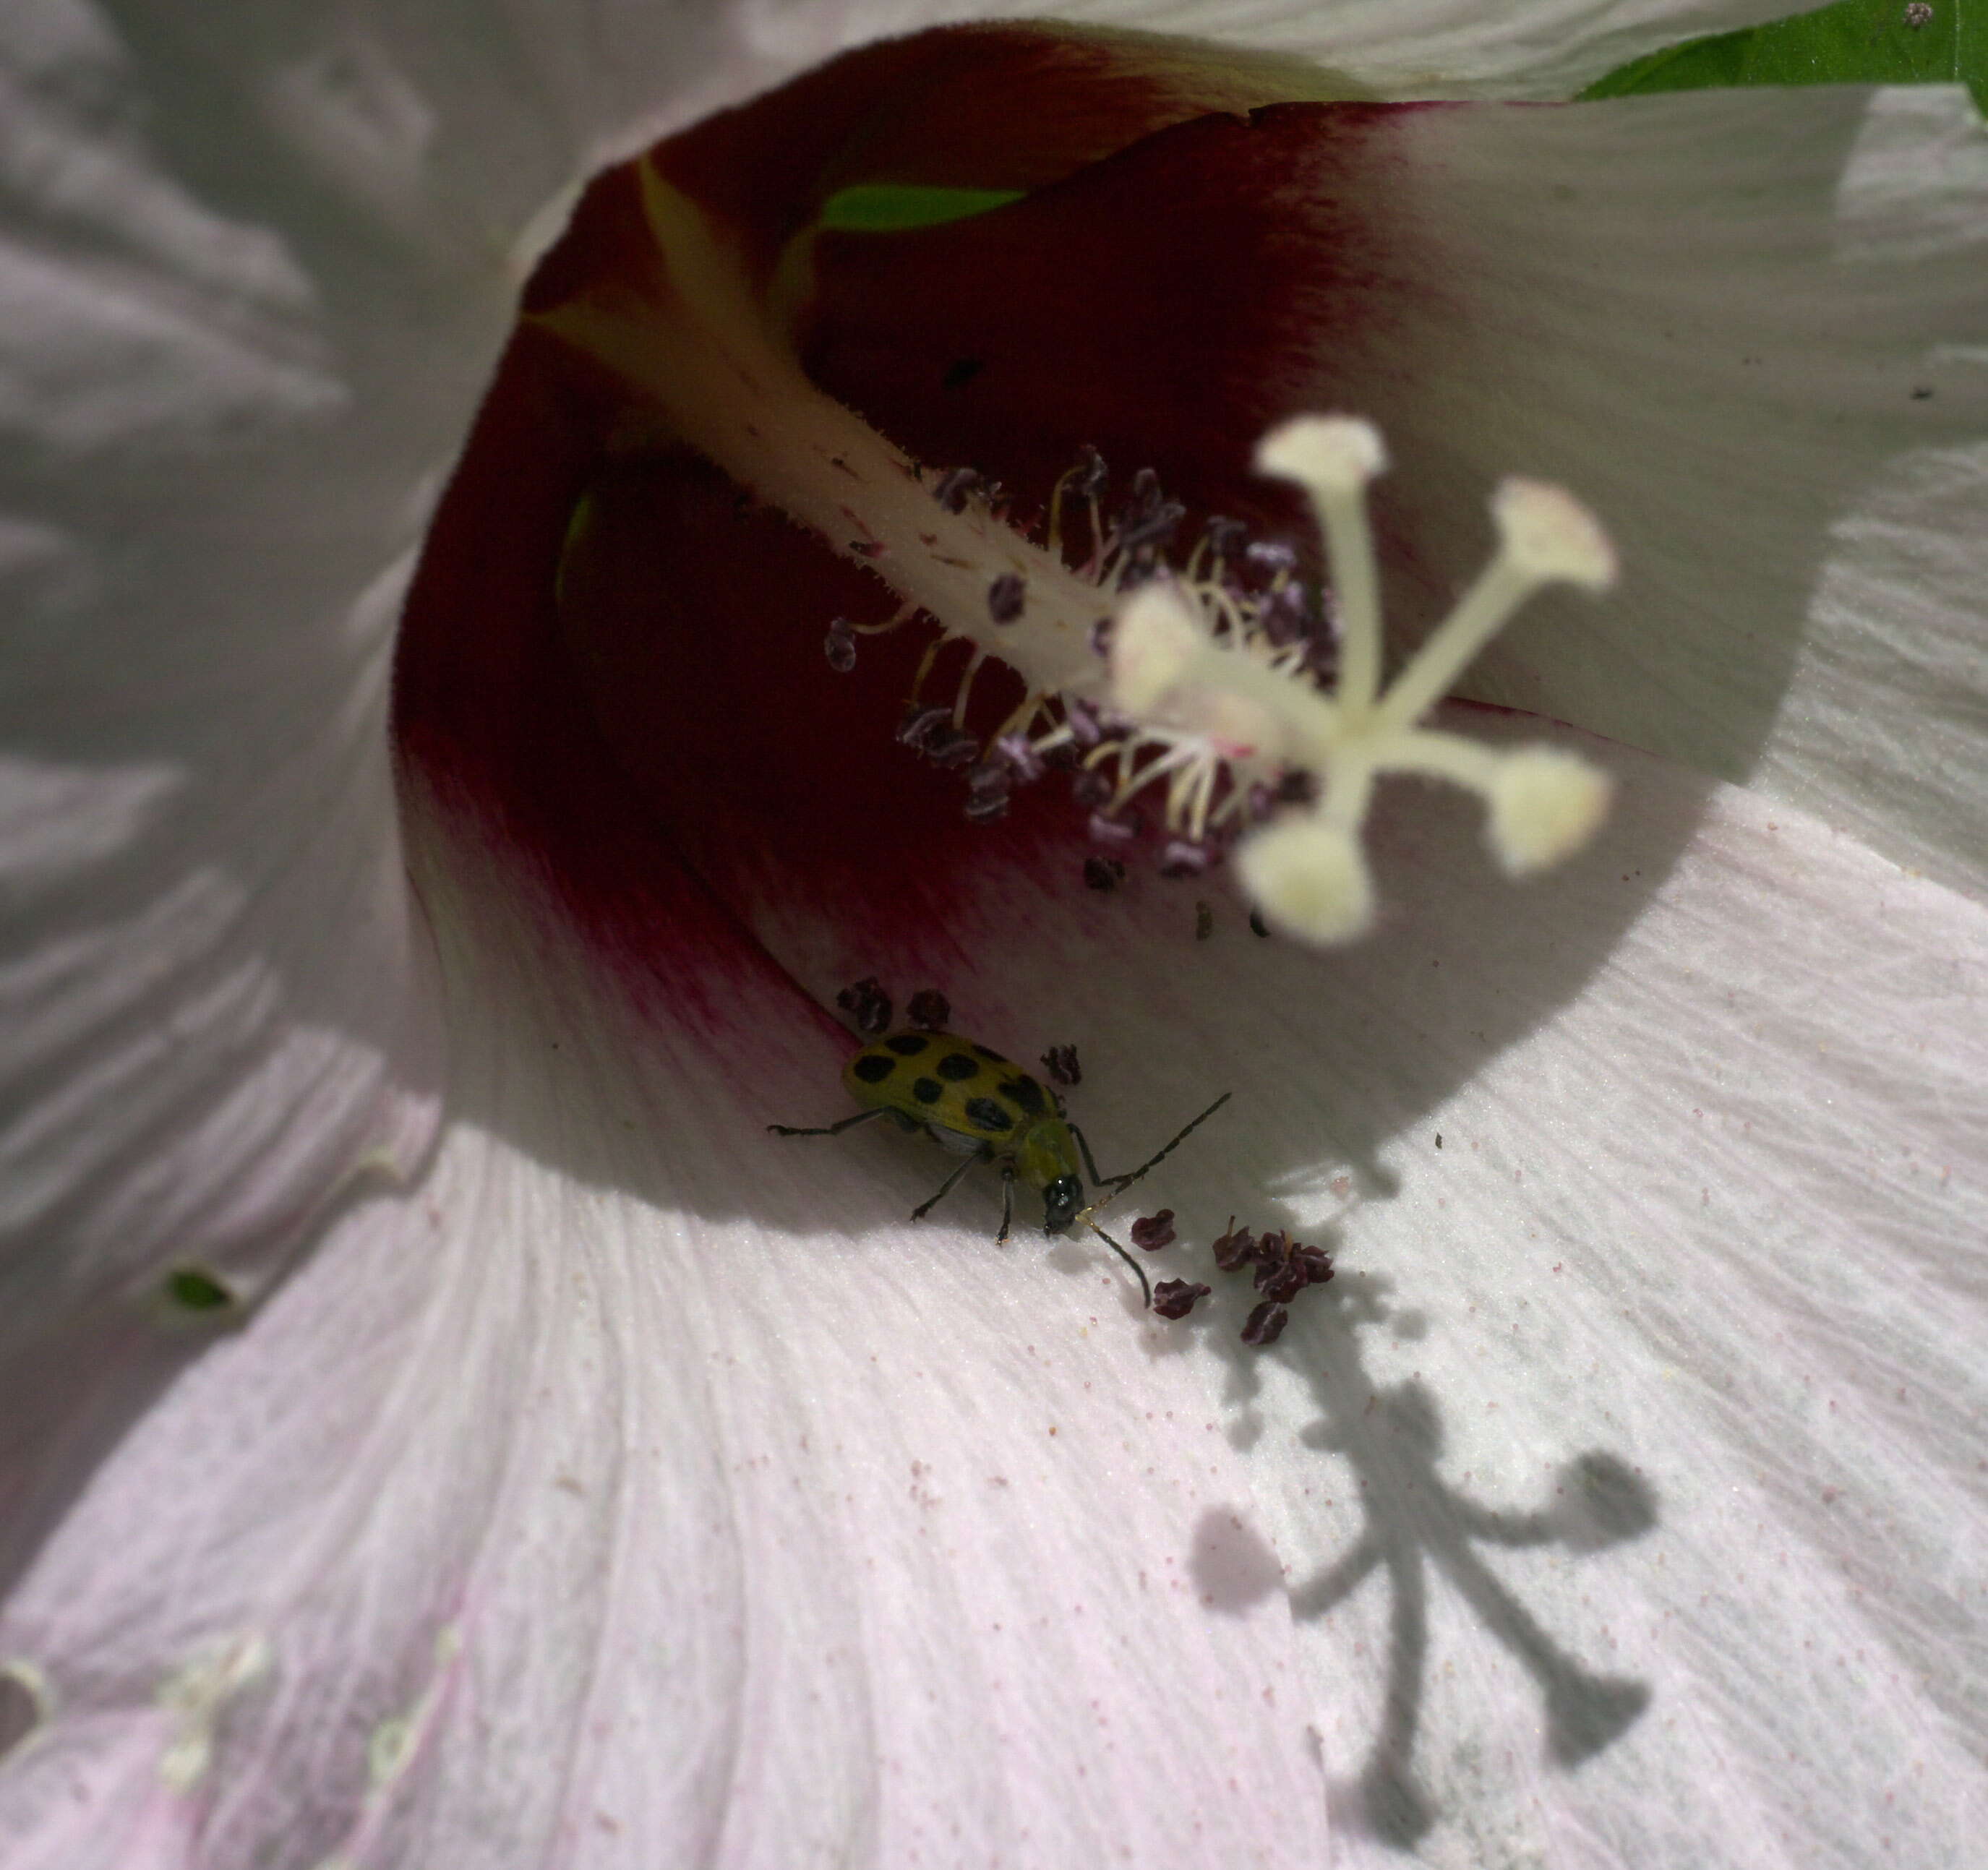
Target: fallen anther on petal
(1266,1324)
(1175,1298)
(928,1009)
(1102,873)
(1060,1063)
(1235,1248)
(867,1006)
(1151,1232)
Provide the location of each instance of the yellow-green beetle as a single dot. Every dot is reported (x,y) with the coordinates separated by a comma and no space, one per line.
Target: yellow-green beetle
(972,1101)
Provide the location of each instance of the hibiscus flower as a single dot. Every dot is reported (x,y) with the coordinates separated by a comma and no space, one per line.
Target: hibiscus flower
(442,1427)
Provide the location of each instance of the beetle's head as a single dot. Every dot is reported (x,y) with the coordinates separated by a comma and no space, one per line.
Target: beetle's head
(1061,1199)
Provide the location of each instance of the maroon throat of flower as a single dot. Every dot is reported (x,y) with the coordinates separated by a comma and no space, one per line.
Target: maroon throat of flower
(1253,708)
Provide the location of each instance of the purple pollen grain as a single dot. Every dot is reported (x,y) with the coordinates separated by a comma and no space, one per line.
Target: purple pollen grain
(950,746)
(1151,1232)
(1091,476)
(839,646)
(1175,1298)
(867,1005)
(1226,537)
(1182,858)
(917,726)
(1152,529)
(1107,830)
(1060,1063)
(951,492)
(1023,760)
(1007,597)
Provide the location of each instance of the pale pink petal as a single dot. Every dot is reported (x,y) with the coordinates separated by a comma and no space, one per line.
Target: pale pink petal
(752,1525)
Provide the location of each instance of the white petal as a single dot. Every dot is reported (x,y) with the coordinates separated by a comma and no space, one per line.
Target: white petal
(759,1526)
(1409,48)
(1737,326)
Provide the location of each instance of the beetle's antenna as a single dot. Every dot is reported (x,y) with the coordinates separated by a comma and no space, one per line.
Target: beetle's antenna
(1138,1271)
(1119,1183)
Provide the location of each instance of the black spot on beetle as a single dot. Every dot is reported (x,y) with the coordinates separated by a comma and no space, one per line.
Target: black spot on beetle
(956,1068)
(907,1045)
(1024,1092)
(985,1113)
(873,1067)
(927,1091)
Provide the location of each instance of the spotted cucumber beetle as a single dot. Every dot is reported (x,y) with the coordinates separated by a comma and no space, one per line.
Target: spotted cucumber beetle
(987,1109)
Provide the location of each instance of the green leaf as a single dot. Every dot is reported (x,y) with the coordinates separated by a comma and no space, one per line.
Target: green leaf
(890,207)
(194,1289)
(1855,41)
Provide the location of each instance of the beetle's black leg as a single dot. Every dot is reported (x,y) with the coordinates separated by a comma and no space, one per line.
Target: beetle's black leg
(1007,1203)
(833,1129)
(1090,1161)
(1119,1183)
(945,1188)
